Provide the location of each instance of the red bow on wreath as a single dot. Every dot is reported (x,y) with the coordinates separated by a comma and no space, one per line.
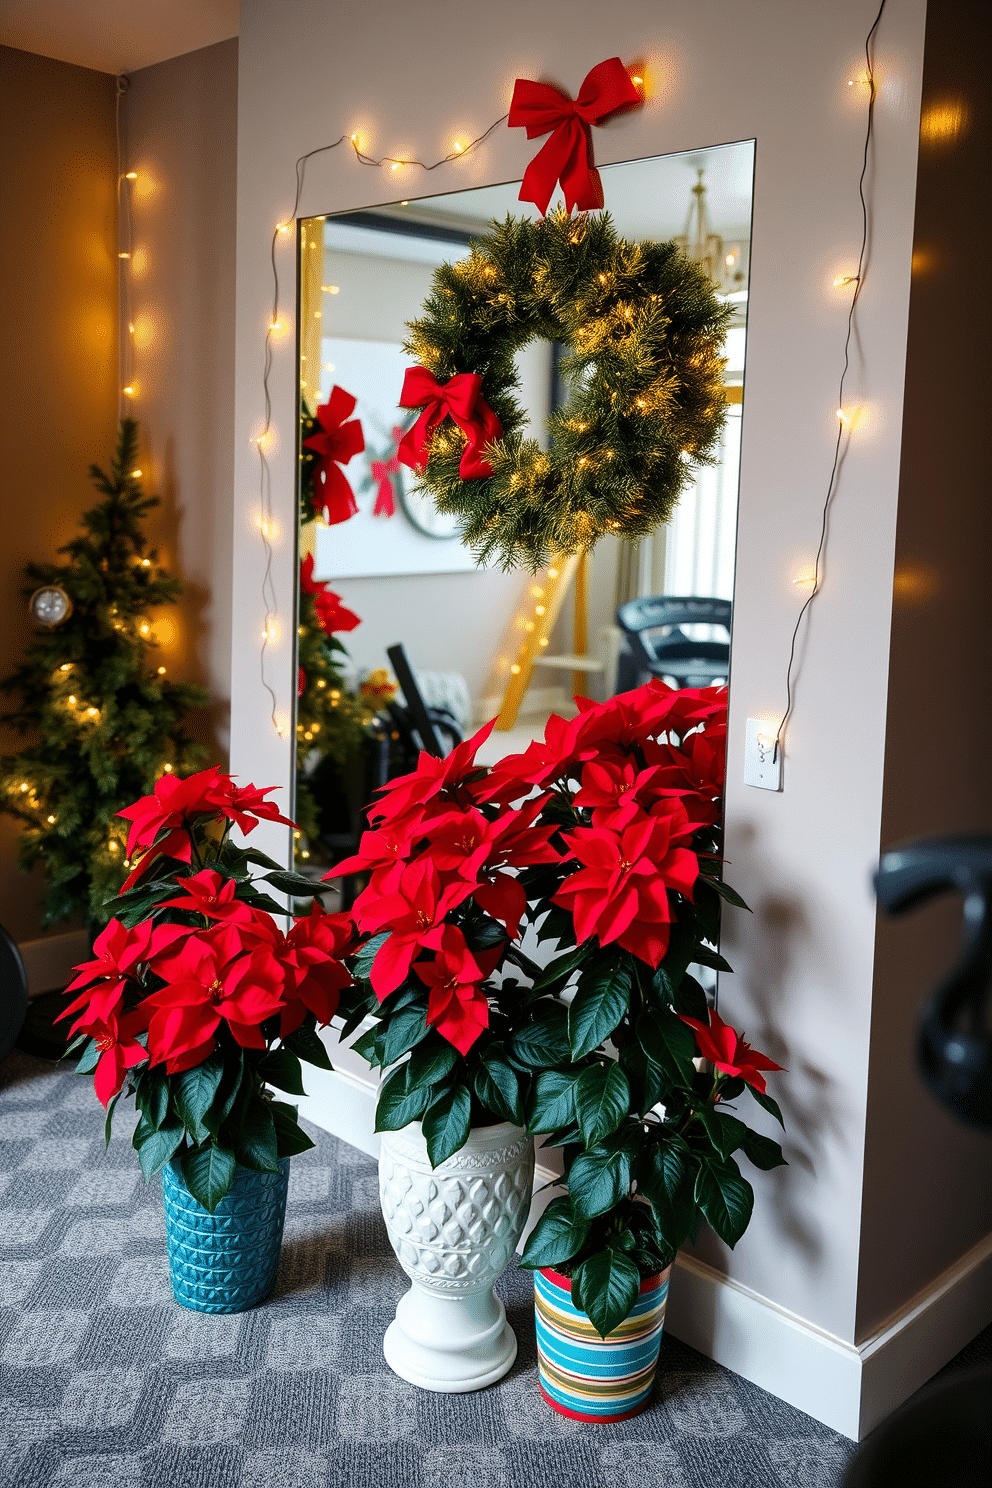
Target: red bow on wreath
(460,399)
(540,108)
(385,504)
(334,446)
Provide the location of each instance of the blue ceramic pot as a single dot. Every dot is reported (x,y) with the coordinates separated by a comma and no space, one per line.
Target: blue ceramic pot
(225,1261)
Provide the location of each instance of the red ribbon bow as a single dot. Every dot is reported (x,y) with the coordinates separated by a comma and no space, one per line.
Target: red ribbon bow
(460,399)
(385,504)
(567,157)
(335,446)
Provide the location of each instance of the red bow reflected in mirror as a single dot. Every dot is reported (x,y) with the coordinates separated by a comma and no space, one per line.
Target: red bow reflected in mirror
(340,439)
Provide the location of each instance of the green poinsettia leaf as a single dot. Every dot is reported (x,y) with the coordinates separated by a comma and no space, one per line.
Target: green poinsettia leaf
(552,1101)
(89,1059)
(601,1001)
(724,1131)
(730,895)
(767,1104)
(559,1235)
(156,1147)
(282,1069)
(108,1124)
(232,1087)
(290,1136)
(690,998)
(705,955)
(602,1100)
(558,971)
(193,1093)
(253,1138)
(669,1044)
(608,1284)
(209,1173)
(365,1044)
(431,1062)
(645,1079)
(599,1178)
(446,1123)
(152,1096)
(497,1087)
(404,1031)
(543,1042)
(666,1177)
(296,884)
(397,1106)
(367,954)
(762,1151)
(306,1043)
(725,1198)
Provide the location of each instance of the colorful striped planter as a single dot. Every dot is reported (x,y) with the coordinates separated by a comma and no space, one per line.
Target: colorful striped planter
(588,1377)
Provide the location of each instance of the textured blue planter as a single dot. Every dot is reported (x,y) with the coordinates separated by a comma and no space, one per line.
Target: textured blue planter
(225,1261)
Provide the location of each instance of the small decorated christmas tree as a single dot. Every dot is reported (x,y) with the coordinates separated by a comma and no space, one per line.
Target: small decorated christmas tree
(105,722)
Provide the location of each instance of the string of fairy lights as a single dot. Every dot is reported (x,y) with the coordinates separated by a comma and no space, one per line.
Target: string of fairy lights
(266,524)
(86,714)
(126,362)
(846,416)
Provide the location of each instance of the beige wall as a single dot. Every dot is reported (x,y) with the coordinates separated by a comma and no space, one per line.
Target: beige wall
(182,134)
(805,959)
(58,269)
(938,754)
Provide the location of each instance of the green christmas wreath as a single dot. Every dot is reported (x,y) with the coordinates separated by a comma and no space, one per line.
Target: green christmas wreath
(643,333)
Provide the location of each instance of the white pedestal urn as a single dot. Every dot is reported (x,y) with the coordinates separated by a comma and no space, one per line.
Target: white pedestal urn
(454,1229)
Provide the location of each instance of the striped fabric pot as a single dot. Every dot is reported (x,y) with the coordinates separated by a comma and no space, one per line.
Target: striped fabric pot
(588,1377)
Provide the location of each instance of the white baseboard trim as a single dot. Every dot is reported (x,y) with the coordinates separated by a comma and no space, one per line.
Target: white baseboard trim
(49,960)
(849,1387)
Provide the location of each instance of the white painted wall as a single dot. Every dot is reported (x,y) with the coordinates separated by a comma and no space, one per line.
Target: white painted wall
(805,958)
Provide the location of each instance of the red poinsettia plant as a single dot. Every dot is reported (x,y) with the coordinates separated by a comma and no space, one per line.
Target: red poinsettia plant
(196,1000)
(601,842)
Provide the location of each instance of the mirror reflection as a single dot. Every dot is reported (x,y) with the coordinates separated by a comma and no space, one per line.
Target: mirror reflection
(403,642)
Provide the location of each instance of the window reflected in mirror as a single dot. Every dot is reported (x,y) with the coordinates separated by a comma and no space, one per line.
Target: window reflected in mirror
(403,642)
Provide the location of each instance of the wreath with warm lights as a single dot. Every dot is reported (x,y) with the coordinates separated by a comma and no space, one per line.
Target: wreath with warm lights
(642,332)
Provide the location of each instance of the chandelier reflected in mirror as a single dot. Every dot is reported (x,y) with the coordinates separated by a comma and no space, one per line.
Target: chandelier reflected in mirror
(722,261)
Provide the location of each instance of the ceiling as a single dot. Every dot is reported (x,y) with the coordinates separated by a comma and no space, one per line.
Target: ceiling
(116,35)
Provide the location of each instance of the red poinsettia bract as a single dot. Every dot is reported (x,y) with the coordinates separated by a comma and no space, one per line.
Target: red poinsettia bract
(724,1047)
(161,823)
(331,613)
(621,891)
(457,1005)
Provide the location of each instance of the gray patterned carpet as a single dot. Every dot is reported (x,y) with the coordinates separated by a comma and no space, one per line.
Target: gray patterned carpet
(106,1383)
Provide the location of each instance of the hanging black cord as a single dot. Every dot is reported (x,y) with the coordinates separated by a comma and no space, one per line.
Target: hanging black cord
(842,428)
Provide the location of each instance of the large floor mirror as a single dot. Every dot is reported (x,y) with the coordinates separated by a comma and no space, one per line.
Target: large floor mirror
(379,567)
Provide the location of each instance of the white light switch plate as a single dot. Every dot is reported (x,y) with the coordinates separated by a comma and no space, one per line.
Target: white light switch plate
(760,769)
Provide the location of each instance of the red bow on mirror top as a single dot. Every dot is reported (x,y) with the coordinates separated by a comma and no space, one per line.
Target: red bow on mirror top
(539,108)
(459,399)
(335,445)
